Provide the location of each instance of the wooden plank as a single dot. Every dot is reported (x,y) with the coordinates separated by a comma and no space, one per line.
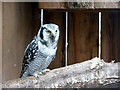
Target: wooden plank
(35,17)
(79,5)
(0,42)
(83,42)
(51,5)
(17,33)
(111,36)
(71,39)
(106,5)
(59,19)
(93,5)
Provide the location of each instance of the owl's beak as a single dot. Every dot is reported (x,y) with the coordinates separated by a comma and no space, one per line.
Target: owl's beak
(52,38)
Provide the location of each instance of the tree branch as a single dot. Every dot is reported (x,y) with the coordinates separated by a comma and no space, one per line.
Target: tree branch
(91,73)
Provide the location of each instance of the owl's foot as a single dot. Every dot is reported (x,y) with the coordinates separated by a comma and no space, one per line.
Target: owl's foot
(45,71)
(36,74)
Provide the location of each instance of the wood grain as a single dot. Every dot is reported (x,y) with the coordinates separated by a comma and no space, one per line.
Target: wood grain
(107,5)
(79,5)
(17,33)
(52,5)
(1,42)
(93,73)
(111,36)
(83,36)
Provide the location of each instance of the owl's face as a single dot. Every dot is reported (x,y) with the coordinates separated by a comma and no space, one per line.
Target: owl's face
(49,33)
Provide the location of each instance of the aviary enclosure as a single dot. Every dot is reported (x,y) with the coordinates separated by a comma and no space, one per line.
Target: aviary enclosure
(79,32)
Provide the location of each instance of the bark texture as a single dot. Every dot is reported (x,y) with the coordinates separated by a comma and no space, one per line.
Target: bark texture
(91,73)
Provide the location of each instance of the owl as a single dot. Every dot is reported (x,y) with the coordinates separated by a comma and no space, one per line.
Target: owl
(40,51)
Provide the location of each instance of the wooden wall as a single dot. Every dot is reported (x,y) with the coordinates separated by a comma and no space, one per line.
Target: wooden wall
(83,36)
(21,22)
(111,35)
(18,30)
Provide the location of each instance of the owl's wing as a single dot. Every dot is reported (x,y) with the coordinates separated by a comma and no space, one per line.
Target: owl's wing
(29,54)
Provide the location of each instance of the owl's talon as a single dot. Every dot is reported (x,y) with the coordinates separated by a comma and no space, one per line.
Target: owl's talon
(40,73)
(45,71)
(36,75)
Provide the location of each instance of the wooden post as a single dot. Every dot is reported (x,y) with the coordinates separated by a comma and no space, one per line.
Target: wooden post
(111,35)
(0,41)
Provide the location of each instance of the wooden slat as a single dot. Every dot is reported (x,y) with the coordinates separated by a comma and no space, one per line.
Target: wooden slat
(59,19)
(71,39)
(78,5)
(107,5)
(0,42)
(111,36)
(83,36)
(52,5)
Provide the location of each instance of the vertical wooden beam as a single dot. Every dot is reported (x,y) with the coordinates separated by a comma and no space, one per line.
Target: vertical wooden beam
(111,35)
(59,19)
(99,51)
(71,39)
(66,40)
(0,41)
(18,31)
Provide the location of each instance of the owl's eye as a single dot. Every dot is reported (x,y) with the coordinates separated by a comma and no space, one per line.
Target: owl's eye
(56,31)
(48,32)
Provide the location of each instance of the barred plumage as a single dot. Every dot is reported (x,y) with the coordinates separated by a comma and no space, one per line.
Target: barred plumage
(41,50)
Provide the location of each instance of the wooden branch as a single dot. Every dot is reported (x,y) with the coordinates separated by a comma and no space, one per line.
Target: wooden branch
(91,73)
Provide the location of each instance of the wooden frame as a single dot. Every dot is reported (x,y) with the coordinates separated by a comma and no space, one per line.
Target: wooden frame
(79,5)
(0,42)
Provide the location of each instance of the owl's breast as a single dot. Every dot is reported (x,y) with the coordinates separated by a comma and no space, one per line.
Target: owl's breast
(44,60)
(40,63)
(46,50)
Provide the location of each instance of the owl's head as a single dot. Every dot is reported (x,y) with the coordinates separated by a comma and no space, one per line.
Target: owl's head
(49,34)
